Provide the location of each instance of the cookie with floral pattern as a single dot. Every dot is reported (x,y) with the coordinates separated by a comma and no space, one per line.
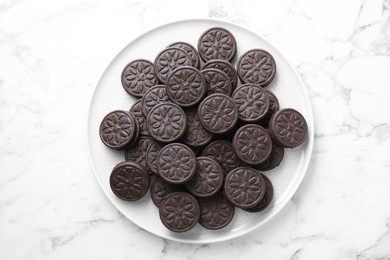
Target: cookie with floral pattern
(217,43)
(168,60)
(216,212)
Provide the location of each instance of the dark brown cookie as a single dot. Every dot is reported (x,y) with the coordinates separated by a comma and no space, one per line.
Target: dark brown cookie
(176,163)
(217,43)
(216,212)
(196,135)
(217,81)
(288,128)
(256,66)
(273,107)
(267,198)
(154,96)
(186,86)
(252,102)
(252,144)
(179,211)
(136,111)
(190,50)
(151,156)
(159,189)
(138,76)
(208,178)
(223,152)
(137,152)
(129,181)
(244,187)
(218,113)
(118,129)
(166,122)
(274,159)
(168,60)
(226,67)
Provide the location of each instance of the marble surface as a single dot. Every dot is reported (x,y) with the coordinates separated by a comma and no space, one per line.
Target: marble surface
(51,56)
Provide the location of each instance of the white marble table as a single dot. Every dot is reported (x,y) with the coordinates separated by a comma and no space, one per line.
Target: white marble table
(51,56)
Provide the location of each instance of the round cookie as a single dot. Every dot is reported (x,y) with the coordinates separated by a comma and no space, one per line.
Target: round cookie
(186,86)
(154,96)
(217,81)
(288,128)
(226,67)
(216,212)
(176,163)
(129,181)
(217,43)
(159,189)
(273,160)
(168,60)
(190,50)
(118,129)
(196,135)
(208,178)
(179,211)
(138,76)
(166,122)
(252,144)
(267,198)
(252,102)
(222,152)
(256,66)
(244,187)
(218,113)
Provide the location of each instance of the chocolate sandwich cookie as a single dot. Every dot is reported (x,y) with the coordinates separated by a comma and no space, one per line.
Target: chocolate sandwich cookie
(186,86)
(190,50)
(216,212)
(159,189)
(176,163)
(138,76)
(273,160)
(252,144)
(244,187)
(267,198)
(136,111)
(256,66)
(252,102)
(168,60)
(137,152)
(179,211)
(118,129)
(288,128)
(217,43)
(217,81)
(226,67)
(196,135)
(222,152)
(154,96)
(208,178)
(218,113)
(151,156)
(166,122)
(273,107)
(129,181)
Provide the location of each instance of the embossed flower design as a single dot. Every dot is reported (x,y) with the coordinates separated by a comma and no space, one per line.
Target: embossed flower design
(185,86)
(217,83)
(129,182)
(208,179)
(137,153)
(195,133)
(140,75)
(226,157)
(171,59)
(179,212)
(167,121)
(291,127)
(245,186)
(218,113)
(253,143)
(155,96)
(251,101)
(217,44)
(216,212)
(256,67)
(116,128)
(176,163)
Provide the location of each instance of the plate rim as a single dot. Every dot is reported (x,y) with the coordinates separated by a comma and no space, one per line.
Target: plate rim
(296,183)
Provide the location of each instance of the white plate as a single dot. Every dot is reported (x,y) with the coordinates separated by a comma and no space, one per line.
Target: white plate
(109,95)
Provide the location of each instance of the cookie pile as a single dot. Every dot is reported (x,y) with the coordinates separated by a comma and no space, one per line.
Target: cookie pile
(196,137)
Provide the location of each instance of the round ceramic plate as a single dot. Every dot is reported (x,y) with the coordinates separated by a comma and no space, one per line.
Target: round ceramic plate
(109,95)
